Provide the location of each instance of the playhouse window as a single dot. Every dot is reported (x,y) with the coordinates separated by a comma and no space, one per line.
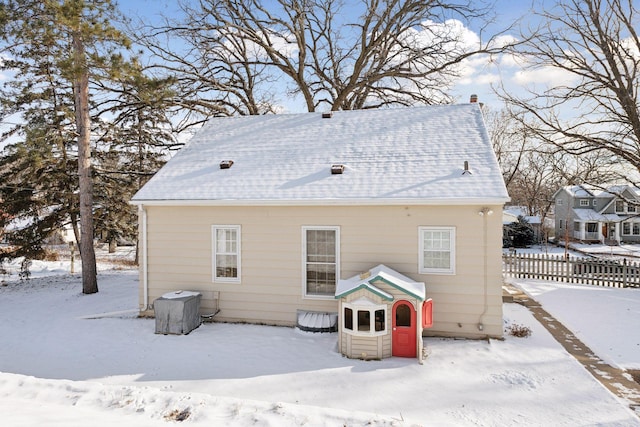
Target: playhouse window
(437,250)
(226,253)
(321,260)
(365,319)
(348,318)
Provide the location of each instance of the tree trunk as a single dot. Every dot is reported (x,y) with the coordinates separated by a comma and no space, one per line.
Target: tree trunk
(112,245)
(81,93)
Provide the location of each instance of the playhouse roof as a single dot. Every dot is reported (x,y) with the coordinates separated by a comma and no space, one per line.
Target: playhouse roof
(381,156)
(383,273)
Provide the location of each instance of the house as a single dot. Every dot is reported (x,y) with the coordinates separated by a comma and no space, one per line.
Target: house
(593,214)
(271,212)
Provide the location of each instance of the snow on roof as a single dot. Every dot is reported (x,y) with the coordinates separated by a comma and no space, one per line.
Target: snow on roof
(521,211)
(402,154)
(591,215)
(387,275)
(584,190)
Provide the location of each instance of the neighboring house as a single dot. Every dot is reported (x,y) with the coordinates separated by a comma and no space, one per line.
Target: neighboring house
(271,212)
(590,214)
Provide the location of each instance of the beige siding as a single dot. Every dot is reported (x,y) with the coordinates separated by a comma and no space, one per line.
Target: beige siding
(271,290)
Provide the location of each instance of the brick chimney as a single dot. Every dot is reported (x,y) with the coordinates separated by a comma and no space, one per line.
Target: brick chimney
(473,99)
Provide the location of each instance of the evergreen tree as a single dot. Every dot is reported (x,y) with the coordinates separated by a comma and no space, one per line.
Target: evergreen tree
(520,233)
(136,141)
(59,52)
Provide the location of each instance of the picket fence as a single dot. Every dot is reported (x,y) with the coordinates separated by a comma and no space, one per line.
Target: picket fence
(592,271)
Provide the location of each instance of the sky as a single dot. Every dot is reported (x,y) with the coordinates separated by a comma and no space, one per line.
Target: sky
(479,74)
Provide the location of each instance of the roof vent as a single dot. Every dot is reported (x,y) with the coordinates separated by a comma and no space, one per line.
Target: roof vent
(466,170)
(337,169)
(226,164)
(327,115)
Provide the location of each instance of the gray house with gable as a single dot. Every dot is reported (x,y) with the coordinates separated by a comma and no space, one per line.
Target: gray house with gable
(608,215)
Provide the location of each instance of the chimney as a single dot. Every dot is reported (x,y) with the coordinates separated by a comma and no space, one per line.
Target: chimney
(473,99)
(327,115)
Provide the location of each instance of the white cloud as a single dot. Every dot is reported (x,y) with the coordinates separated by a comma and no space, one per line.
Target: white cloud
(550,76)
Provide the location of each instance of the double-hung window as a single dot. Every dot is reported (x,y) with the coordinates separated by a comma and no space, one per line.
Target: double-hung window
(321,260)
(437,250)
(226,253)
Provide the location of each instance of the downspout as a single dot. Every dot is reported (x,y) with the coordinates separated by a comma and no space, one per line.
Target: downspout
(484,212)
(142,212)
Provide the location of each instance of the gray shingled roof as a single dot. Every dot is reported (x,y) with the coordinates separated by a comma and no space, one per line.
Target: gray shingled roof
(390,156)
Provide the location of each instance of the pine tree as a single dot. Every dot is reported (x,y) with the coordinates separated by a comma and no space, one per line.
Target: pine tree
(61,43)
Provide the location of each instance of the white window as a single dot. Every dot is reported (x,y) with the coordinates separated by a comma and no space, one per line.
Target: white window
(226,253)
(619,206)
(631,208)
(584,202)
(364,317)
(595,202)
(559,202)
(626,228)
(321,260)
(437,250)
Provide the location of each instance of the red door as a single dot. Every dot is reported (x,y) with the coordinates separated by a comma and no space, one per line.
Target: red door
(403,337)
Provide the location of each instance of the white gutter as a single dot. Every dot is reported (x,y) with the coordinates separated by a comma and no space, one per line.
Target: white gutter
(145,273)
(326,202)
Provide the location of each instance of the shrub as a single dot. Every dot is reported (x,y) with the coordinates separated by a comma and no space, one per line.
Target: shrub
(519,331)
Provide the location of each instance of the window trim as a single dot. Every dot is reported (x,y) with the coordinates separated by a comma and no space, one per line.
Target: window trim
(452,251)
(371,307)
(214,253)
(306,228)
(584,202)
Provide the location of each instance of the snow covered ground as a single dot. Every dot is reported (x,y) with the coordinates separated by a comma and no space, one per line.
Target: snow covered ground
(68,359)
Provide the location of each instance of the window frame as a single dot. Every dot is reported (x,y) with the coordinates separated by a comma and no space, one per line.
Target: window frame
(305,228)
(215,253)
(369,307)
(584,202)
(451,270)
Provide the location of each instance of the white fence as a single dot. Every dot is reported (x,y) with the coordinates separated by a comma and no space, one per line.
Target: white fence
(592,271)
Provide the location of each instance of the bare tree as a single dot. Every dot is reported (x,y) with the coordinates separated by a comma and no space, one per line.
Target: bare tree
(535,169)
(594,46)
(335,54)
